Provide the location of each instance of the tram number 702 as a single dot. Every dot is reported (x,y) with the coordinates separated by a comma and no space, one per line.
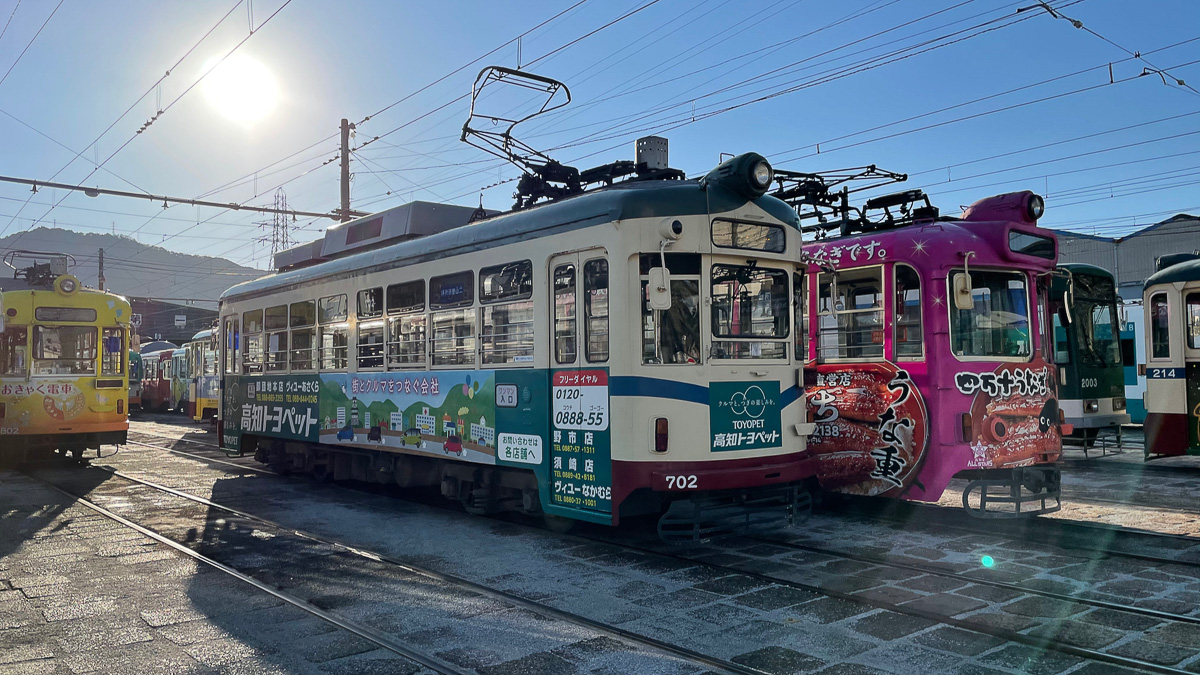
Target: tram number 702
(681,482)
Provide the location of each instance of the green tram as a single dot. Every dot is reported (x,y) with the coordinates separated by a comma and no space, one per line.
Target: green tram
(1087,350)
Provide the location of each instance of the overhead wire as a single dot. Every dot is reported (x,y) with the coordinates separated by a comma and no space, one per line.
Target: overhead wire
(31,40)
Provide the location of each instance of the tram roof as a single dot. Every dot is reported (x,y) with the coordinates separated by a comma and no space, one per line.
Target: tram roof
(1178,273)
(1085,268)
(630,199)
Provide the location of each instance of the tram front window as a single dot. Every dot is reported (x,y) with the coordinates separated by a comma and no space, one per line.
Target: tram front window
(672,336)
(749,302)
(1097,334)
(997,325)
(12,351)
(65,350)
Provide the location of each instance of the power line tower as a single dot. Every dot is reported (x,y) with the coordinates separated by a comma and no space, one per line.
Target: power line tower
(278,229)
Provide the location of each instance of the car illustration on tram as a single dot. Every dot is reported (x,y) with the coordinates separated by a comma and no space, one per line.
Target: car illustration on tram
(1171,297)
(626,350)
(64,362)
(927,346)
(1088,350)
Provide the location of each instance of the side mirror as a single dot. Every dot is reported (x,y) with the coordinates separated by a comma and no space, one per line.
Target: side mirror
(963,299)
(659,288)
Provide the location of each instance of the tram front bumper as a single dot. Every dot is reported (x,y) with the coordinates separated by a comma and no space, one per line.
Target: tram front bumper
(1099,421)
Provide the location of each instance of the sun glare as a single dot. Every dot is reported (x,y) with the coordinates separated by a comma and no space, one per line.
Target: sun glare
(241,88)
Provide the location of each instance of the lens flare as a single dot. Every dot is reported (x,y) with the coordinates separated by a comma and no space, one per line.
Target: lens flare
(987,561)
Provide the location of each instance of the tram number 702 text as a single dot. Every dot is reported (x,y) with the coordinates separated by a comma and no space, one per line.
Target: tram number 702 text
(681,482)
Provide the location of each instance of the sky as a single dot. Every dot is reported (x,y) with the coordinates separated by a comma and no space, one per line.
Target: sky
(970,98)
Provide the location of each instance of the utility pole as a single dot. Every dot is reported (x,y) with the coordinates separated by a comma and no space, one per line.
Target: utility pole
(347,127)
(100,277)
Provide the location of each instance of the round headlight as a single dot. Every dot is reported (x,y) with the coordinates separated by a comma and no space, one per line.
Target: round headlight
(1037,207)
(761,174)
(67,286)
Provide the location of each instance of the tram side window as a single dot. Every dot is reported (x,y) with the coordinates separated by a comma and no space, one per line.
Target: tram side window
(800,307)
(997,325)
(453,341)
(252,357)
(406,324)
(1193,319)
(303,325)
(1062,345)
(506,335)
(595,310)
(113,351)
(370,328)
(672,336)
(232,345)
(335,333)
(908,314)
(275,321)
(749,302)
(564,314)
(13,351)
(1160,327)
(64,350)
(850,311)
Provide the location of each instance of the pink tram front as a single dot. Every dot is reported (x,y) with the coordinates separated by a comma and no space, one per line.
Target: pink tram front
(927,346)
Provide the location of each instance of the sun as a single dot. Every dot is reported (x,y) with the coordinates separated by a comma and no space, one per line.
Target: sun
(241,88)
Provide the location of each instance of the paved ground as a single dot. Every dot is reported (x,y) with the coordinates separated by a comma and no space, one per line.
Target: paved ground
(80,593)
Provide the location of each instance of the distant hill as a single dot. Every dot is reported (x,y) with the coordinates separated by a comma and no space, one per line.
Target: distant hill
(131,268)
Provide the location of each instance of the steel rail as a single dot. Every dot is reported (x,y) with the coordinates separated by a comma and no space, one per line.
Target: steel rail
(541,609)
(369,634)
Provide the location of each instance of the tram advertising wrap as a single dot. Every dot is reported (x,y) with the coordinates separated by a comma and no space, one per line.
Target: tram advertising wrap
(466,415)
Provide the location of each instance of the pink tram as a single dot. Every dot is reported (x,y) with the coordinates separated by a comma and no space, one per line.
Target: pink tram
(928,349)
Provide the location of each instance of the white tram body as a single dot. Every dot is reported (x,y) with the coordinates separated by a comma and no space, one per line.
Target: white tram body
(1171,300)
(542,359)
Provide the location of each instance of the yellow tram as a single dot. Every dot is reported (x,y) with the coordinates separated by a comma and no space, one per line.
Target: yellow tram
(64,364)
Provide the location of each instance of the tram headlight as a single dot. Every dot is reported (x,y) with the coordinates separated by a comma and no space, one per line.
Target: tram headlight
(1119,403)
(66,284)
(1091,405)
(749,175)
(761,174)
(1036,207)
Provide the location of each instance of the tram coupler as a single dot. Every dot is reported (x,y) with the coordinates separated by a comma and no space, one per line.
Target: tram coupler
(748,511)
(1015,493)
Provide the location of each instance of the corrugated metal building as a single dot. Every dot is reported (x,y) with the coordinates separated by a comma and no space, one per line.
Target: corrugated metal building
(1131,258)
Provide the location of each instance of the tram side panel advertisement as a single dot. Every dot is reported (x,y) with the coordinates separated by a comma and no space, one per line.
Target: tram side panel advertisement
(580,452)
(283,406)
(744,415)
(1014,415)
(872,427)
(444,413)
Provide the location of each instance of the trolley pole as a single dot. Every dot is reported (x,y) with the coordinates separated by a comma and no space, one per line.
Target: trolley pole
(100,277)
(346,128)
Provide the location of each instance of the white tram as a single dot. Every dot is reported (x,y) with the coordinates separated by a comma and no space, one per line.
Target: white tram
(1171,299)
(605,355)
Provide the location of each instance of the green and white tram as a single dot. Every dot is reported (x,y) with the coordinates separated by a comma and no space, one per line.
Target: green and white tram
(624,351)
(1171,297)
(1087,350)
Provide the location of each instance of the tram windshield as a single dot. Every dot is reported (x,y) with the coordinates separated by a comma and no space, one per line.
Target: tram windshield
(64,350)
(1097,334)
(997,325)
(749,302)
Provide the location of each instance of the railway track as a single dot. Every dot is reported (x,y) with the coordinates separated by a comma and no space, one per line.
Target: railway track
(927,515)
(366,560)
(968,623)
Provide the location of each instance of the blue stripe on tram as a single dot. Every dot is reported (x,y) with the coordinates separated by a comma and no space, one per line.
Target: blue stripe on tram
(653,387)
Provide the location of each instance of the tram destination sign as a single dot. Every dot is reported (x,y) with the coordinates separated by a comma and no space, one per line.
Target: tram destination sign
(744,415)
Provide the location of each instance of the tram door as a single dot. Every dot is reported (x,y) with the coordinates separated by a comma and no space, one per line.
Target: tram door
(579,449)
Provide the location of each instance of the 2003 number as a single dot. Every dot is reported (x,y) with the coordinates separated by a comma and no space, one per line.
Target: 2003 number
(681,482)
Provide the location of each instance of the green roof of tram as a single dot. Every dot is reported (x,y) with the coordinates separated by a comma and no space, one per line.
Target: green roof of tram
(1179,273)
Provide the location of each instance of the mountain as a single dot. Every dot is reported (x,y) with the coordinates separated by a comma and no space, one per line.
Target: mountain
(131,268)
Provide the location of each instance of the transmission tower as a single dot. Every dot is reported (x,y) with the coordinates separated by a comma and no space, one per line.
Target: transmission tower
(277,229)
